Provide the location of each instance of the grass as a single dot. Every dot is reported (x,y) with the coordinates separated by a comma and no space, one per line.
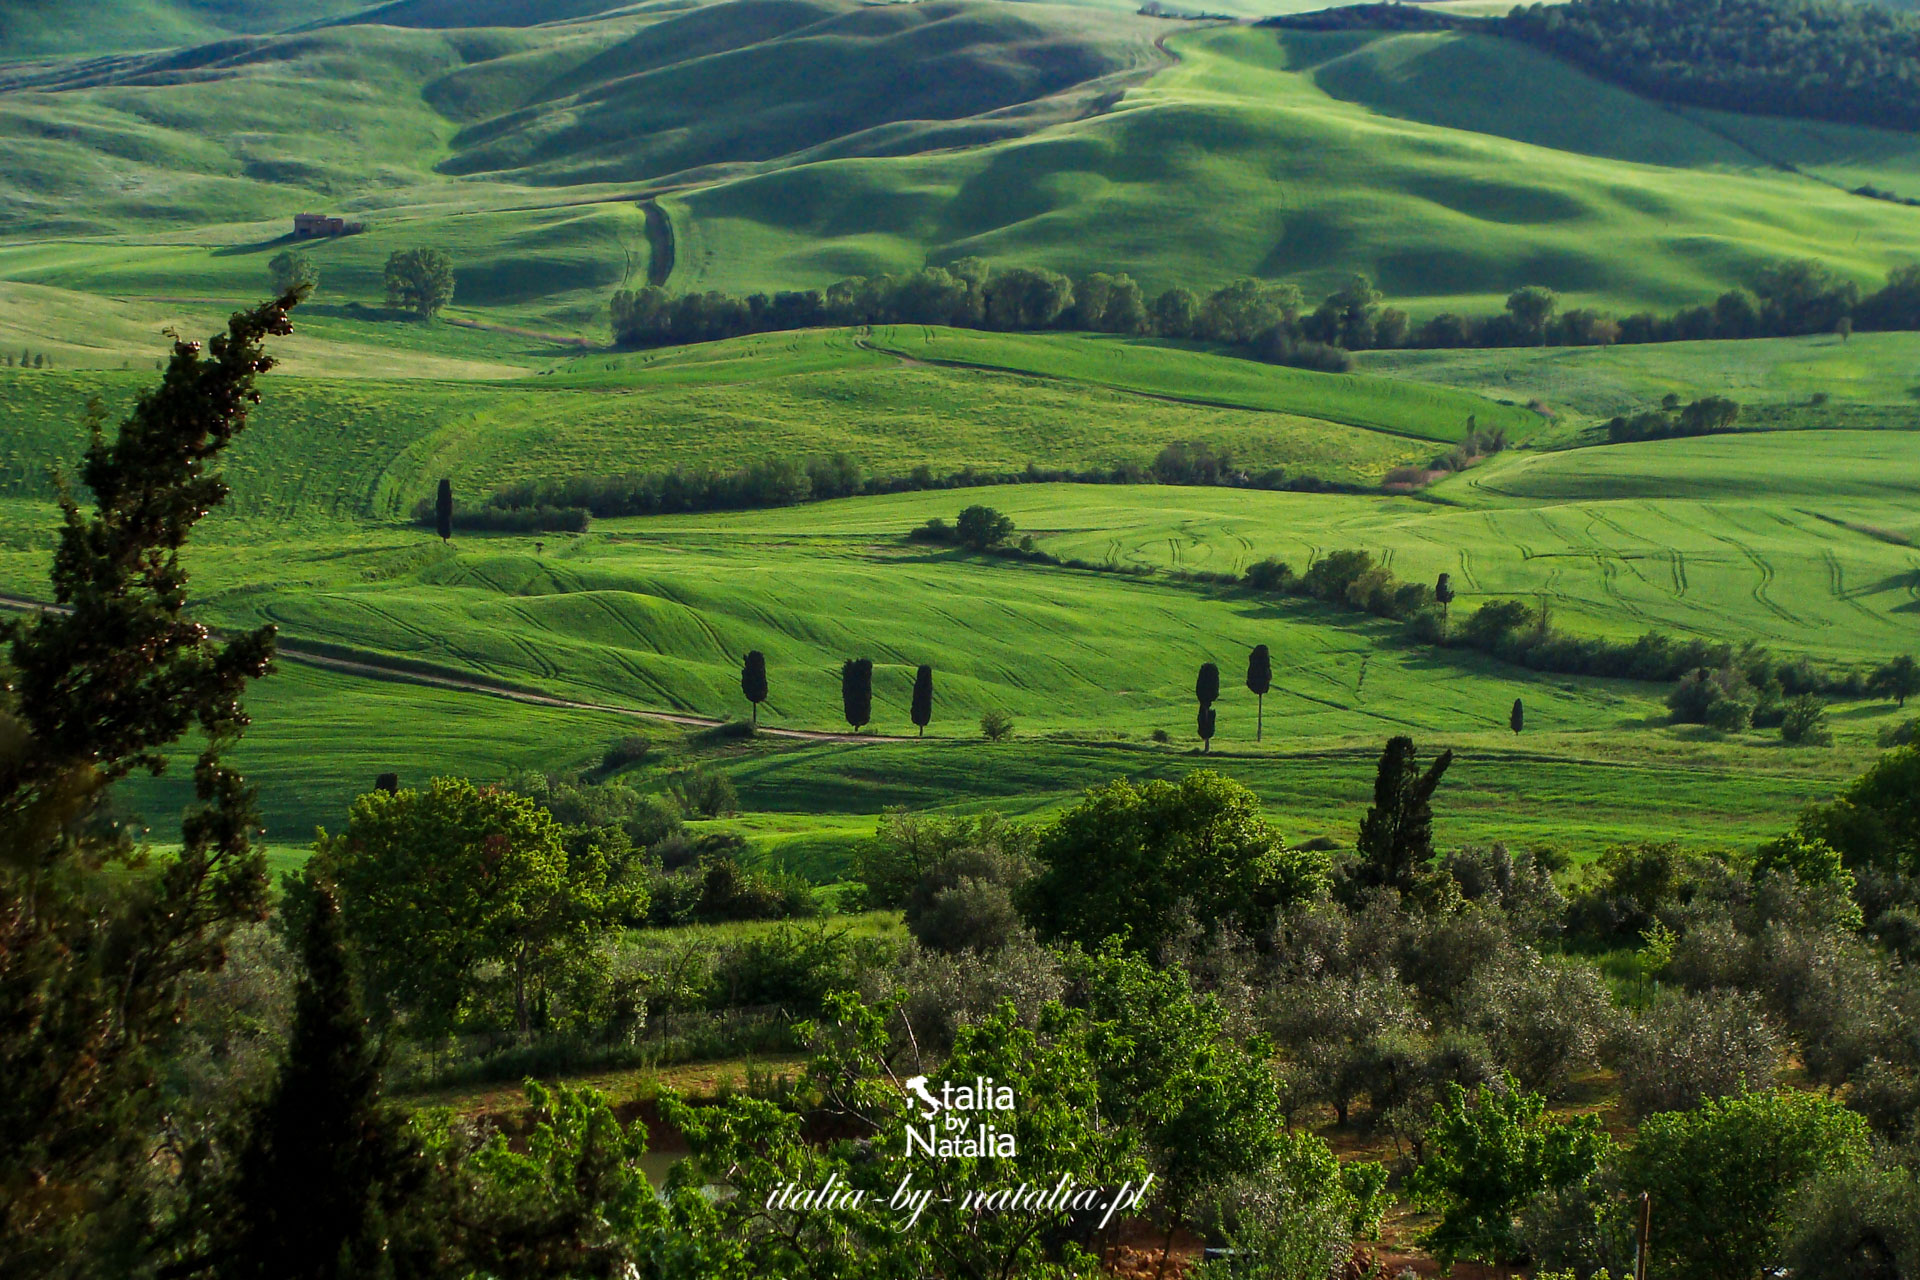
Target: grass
(1869,379)
(1401,408)
(1293,181)
(1053,134)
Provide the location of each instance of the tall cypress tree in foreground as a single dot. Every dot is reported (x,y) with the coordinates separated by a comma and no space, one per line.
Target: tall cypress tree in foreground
(923,699)
(1259,680)
(96,944)
(856,691)
(1396,836)
(753,680)
(1517,720)
(327,1161)
(443,510)
(1206,727)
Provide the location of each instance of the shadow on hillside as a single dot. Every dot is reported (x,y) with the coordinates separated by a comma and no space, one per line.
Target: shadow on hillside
(259,246)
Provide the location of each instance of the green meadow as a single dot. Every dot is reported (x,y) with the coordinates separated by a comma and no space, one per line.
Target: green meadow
(146,192)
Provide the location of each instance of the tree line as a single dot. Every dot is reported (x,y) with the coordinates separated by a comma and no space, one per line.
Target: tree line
(1815,59)
(569,503)
(1267,320)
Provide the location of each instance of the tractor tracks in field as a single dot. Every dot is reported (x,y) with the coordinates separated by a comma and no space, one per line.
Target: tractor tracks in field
(372,666)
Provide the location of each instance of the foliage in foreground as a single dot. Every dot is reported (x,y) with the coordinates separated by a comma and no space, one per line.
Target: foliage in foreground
(97,939)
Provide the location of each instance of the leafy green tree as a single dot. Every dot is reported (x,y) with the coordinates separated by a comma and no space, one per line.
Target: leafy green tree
(327,1165)
(1486,1157)
(757,1146)
(1531,307)
(569,1199)
(1898,680)
(856,691)
(1203,1102)
(1259,682)
(753,680)
(981,527)
(97,940)
(1296,1219)
(1175,313)
(1876,821)
(1723,1175)
(1517,718)
(443,887)
(1396,836)
(922,710)
(420,281)
(1124,860)
(293,272)
(443,510)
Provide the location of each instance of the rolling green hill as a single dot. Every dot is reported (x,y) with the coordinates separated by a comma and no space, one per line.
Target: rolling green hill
(44,28)
(1294,182)
(833,138)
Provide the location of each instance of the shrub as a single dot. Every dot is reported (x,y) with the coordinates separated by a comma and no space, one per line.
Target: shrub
(1858,1225)
(703,794)
(1805,723)
(1487,1158)
(621,752)
(996,725)
(1542,1019)
(1128,858)
(1724,1175)
(965,901)
(1688,1048)
(1271,574)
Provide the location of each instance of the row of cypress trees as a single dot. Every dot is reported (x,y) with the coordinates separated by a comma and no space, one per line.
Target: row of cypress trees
(856,690)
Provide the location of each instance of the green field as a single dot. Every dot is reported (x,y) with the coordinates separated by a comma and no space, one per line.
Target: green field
(1450,167)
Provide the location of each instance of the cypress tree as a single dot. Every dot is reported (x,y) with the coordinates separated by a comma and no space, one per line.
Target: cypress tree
(93,958)
(1518,720)
(1206,728)
(923,698)
(753,680)
(443,510)
(1259,680)
(1396,836)
(856,691)
(1207,687)
(1443,594)
(387,782)
(327,1159)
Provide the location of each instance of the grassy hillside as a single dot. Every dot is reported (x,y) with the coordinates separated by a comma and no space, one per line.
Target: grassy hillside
(1402,408)
(44,28)
(1295,182)
(759,79)
(386,443)
(1822,381)
(833,138)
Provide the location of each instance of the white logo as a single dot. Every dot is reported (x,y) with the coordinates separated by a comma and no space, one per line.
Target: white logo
(930,1105)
